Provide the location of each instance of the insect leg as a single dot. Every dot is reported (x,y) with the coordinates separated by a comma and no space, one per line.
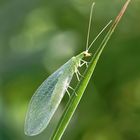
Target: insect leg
(84,62)
(68,92)
(77,76)
(72,89)
(79,73)
(76,72)
(81,64)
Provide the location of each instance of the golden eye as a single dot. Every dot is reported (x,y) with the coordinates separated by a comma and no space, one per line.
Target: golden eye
(86,54)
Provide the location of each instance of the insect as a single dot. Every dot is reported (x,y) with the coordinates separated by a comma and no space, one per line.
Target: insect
(48,96)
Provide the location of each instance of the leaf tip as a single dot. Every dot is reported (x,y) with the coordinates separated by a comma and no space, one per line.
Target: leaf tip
(122,11)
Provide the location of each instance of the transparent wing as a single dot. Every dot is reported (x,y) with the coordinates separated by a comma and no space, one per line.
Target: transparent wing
(46,99)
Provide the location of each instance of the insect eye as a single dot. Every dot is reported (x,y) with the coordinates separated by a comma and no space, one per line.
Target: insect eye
(86,54)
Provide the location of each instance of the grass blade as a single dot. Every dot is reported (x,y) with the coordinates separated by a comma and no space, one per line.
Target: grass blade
(74,101)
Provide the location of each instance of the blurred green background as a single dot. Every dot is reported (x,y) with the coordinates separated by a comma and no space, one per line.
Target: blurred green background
(38,36)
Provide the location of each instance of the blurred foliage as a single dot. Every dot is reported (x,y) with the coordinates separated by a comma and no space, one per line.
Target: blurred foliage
(38,36)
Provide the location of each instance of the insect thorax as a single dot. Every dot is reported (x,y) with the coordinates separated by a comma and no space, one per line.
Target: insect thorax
(77,59)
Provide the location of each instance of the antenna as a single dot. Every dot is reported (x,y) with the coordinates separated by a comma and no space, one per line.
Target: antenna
(98,35)
(89,25)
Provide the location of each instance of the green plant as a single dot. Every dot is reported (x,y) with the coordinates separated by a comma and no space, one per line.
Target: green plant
(74,101)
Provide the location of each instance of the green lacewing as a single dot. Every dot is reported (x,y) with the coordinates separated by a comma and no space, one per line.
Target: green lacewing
(48,96)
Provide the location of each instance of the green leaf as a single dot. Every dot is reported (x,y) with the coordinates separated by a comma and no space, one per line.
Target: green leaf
(74,101)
